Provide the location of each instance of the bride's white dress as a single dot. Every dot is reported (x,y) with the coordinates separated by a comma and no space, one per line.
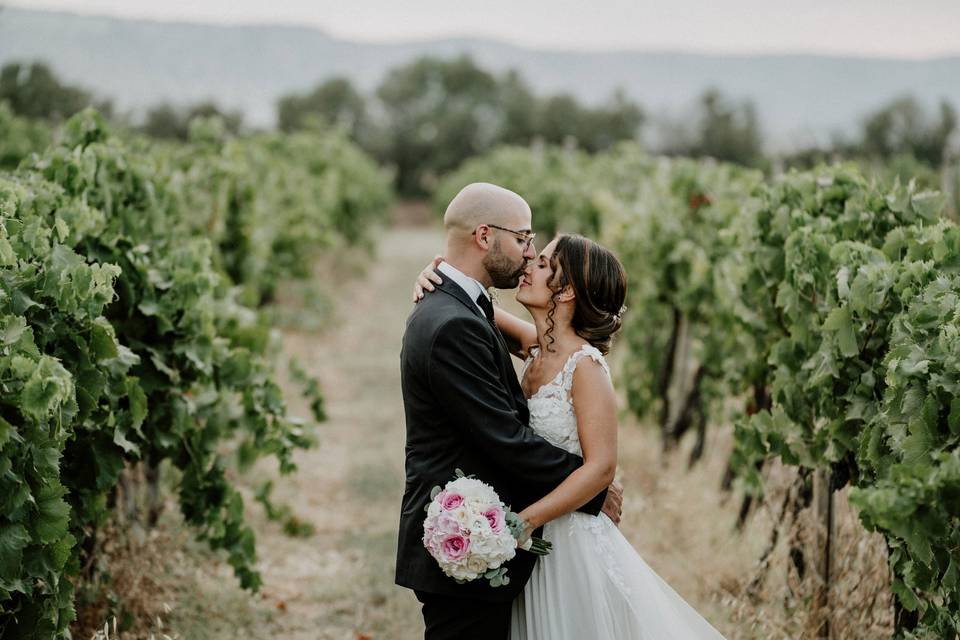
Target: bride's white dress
(593,584)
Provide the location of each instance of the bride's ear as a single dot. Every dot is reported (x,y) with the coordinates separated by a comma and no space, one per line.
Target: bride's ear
(567,294)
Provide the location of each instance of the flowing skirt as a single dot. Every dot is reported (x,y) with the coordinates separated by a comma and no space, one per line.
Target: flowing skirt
(594,584)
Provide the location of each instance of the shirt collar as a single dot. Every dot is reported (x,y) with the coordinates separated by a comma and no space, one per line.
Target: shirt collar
(468,284)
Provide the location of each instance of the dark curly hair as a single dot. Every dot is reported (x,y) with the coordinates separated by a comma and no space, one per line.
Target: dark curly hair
(599,283)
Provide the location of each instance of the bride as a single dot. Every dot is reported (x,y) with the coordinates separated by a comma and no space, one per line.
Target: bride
(593,584)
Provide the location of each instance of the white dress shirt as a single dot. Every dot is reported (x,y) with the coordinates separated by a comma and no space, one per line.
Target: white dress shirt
(468,284)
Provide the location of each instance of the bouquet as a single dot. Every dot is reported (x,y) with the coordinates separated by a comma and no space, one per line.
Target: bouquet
(471,533)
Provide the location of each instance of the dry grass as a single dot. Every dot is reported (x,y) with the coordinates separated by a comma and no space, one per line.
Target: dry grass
(338,584)
(134,584)
(765,595)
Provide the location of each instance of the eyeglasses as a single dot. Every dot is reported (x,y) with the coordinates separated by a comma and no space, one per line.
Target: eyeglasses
(526,236)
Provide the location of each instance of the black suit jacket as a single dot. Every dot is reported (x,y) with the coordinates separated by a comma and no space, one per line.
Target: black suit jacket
(465,410)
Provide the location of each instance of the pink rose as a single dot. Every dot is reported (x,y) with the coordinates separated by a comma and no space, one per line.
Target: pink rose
(454,547)
(449,501)
(496,518)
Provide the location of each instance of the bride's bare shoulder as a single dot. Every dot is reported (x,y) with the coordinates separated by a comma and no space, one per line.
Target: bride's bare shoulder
(591,376)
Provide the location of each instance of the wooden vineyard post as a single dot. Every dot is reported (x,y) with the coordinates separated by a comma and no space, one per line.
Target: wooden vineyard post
(823,514)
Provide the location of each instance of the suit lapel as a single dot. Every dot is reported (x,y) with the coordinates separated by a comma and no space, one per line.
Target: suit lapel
(451,288)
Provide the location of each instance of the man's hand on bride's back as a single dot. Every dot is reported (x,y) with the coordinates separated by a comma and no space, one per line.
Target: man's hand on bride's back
(613,505)
(427,278)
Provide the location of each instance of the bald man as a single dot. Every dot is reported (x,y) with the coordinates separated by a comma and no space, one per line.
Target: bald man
(465,410)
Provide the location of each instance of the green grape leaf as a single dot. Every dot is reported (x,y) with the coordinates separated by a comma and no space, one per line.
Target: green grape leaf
(928,204)
(138,403)
(61,550)
(6,432)
(905,595)
(13,539)
(49,387)
(52,514)
(839,321)
(921,441)
(953,419)
(103,340)
(120,439)
(950,576)
(13,329)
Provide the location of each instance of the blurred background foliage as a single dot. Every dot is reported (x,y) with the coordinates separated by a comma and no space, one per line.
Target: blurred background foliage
(427,117)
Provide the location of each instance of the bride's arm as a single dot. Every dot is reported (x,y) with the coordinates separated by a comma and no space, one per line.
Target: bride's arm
(519,334)
(594,403)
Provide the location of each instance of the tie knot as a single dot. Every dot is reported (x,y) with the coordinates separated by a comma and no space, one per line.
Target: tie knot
(486,305)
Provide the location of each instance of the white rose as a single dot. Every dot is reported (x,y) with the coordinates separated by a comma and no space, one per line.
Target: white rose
(477,565)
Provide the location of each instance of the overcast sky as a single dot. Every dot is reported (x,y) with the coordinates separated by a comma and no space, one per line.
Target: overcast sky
(913,29)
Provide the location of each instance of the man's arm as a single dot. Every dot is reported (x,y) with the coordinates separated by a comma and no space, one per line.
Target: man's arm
(463,372)
(594,403)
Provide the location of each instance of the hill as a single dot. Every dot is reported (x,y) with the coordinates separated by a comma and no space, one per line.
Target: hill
(800,98)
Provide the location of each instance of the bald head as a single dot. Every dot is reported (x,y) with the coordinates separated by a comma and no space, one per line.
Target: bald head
(477,220)
(485,203)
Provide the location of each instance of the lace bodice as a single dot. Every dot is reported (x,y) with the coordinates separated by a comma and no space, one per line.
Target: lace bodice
(551,406)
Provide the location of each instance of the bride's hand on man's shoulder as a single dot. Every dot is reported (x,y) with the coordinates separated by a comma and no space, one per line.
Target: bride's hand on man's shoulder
(427,278)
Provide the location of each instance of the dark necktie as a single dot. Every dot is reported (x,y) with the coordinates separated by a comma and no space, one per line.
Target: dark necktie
(487,307)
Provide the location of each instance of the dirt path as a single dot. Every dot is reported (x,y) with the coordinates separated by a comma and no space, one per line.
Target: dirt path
(338,583)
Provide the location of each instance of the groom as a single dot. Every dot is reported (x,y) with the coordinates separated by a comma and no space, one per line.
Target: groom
(465,410)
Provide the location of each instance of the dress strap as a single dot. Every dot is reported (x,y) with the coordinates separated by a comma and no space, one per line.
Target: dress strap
(587,350)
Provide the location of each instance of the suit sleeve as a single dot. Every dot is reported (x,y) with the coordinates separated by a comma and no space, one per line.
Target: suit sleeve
(464,374)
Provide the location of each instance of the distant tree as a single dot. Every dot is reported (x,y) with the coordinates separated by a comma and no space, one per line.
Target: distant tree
(34,91)
(430,115)
(520,110)
(809,157)
(899,140)
(335,102)
(438,113)
(729,132)
(906,167)
(232,120)
(904,127)
(619,119)
(722,130)
(561,119)
(164,121)
(19,137)
(167,121)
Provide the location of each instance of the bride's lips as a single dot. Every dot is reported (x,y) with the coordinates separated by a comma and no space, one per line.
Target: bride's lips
(524,282)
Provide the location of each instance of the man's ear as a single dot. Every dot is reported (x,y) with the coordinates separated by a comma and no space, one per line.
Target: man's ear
(482,236)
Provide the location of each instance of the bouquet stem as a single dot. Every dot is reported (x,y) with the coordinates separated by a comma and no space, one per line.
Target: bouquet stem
(540,547)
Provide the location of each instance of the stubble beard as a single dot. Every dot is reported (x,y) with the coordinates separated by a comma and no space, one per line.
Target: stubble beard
(504,274)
